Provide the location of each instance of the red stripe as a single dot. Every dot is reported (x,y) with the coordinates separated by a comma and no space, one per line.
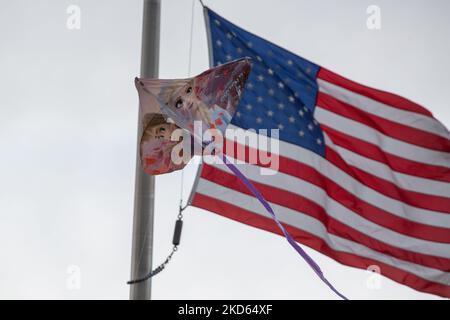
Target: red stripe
(390,99)
(417,199)
(420,200)
(350,201)
(392,129)
(260,222)
(398,164)
(302,204)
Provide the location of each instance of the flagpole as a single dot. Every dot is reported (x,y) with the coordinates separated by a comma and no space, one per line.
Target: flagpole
(144,190)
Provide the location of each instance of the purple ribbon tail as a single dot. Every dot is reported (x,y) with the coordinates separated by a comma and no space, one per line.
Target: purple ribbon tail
(289,238)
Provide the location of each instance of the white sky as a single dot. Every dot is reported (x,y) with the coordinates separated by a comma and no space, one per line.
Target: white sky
(68,115)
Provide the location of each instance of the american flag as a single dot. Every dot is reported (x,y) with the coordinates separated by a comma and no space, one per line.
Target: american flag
(364,175)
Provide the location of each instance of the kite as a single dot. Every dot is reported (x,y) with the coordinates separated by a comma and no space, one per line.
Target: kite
(208,100)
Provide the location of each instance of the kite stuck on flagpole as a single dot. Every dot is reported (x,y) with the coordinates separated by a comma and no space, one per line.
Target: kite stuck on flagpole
(209,99)
(363,174)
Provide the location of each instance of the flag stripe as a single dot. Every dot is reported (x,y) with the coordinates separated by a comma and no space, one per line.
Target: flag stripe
(302,196)
(387,98)
(300,156)
(397,163)
(371,107)
(399,180)
(302,221)
(346,198)
(344,256)
(387,144)
(373,176)
(392,129)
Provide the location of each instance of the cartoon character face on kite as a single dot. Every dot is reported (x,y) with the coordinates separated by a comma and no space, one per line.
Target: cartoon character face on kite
(209,99)
(186,105)
(156,145)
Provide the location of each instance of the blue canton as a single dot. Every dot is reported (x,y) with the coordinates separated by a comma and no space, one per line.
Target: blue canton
(281,90)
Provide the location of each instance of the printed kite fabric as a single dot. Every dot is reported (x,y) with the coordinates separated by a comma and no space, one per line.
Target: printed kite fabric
(209,99)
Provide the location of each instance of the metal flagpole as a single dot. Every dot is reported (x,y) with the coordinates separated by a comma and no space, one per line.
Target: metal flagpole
(141,260)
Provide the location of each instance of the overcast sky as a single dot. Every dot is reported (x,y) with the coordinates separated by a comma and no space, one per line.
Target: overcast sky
(68,115)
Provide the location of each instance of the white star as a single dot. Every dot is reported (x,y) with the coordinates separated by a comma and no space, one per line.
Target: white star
(239,50)
(229,35)
(258,58)
(308,70)
(219,43)
(219,63)
(296,94)
(280,106)
(301,113)
(291,99)
(270,53)
(249,44)
(291,119)
(310,127)
(270,113)
(280,85)
(249,106)
(299,74)
(270,71)
(271,92)
(305,108)
(250,85)
(238,114)
(217,22)
(319,141)
(280,126)
(261,77)
(260,99)
(228,57)
(301,133)
(258,120)
(289,62)
(315,122)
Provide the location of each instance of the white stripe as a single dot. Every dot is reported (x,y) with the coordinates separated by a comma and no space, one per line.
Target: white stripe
(311,225)
(355,187)
(404,181)
(336,210)
(387,144)
(404,117)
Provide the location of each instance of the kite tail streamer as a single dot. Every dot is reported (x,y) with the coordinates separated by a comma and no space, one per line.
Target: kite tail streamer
(289,238)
